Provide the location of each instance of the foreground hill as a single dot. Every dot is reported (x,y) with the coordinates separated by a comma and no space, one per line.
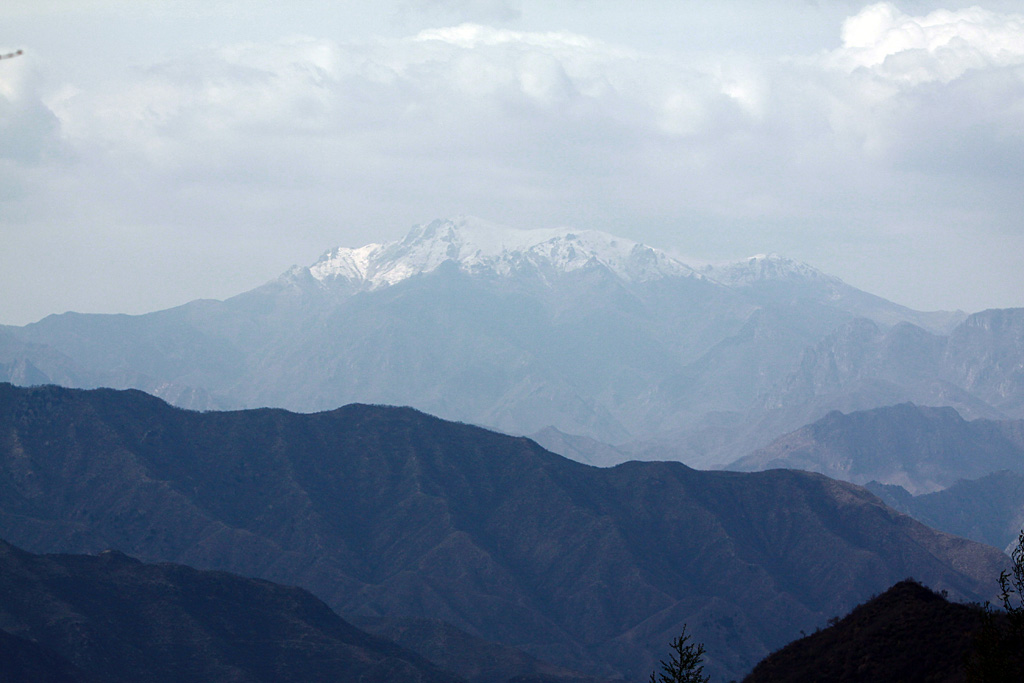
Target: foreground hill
(921,449)
(586,332)
(907,634)
(109,619)
(390,512)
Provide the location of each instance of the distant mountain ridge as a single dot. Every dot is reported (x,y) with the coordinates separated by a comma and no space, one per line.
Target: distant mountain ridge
(592,334)
(989,509)
(919,448)
(390,512)
(977,368)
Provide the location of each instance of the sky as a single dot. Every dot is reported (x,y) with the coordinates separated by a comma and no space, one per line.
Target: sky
(156,152)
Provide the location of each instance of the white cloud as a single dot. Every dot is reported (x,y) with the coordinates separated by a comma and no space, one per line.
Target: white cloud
(941,93)
(467,90)
(534,99)
(940,46)
(496,11)
(28,129)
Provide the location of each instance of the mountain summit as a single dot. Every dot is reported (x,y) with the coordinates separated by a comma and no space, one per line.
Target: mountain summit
(478,247)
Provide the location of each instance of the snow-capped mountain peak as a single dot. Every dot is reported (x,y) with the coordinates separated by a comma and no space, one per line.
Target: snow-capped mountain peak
(480,247)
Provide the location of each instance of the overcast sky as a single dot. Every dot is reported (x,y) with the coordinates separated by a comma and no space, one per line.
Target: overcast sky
(156,152)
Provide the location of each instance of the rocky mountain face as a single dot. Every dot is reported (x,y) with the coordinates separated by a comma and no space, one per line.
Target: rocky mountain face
(908,633)
(978,369)
(110,618)
(918,448)
(390,512)
(589,333)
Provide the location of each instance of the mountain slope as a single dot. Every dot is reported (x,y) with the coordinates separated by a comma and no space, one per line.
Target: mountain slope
(989,509)
(117,619)
(579,448)
(976,368)
(387,511)
(921,449)
(773,278)
(908,633)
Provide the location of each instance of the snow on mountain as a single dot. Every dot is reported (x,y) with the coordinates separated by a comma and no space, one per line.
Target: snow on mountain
(764,267)
(480,247)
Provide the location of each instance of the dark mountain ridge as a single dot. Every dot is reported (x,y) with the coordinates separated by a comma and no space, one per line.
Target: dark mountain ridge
(115,619)
(908,634)
(390,512)
(474,659)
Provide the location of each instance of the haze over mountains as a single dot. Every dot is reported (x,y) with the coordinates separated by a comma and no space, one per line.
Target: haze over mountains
(459,541)
(989,509)
(963,477)
(464,453)
(389,512)
(585,332)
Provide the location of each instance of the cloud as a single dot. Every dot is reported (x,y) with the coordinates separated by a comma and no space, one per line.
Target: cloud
(29,131)
(557,106)
(941,93)
(482,11)
(442,102)
(940,46)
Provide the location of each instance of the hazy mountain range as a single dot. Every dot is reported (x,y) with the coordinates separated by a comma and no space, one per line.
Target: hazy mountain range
(485,554)
(389,512)
(918,448)
(963,477)
(591,334)
(989,509)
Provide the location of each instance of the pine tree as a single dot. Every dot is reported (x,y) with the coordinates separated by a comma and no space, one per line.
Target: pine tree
(684,664)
